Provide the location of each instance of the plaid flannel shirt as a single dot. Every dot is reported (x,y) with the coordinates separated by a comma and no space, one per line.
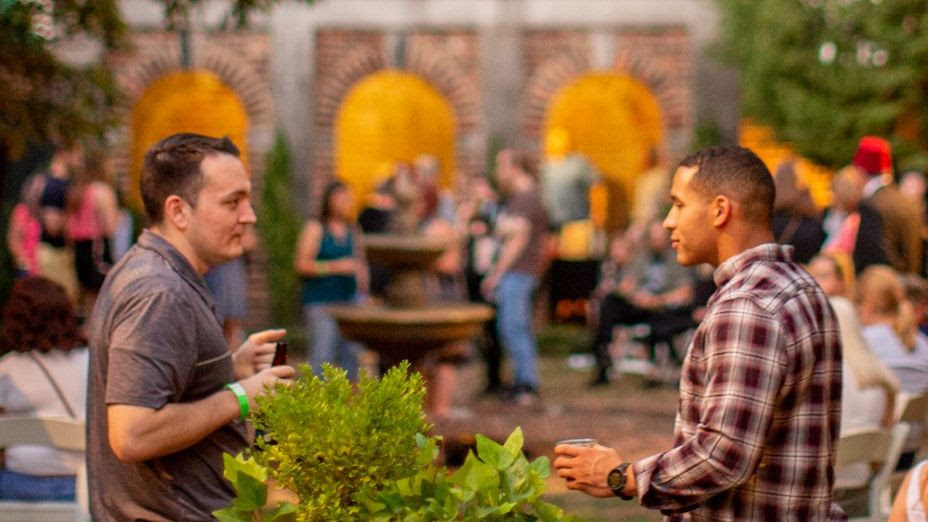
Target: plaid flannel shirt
(760,402)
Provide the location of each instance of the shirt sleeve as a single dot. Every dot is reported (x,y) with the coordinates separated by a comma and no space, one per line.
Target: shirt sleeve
(744,367)
(152,351)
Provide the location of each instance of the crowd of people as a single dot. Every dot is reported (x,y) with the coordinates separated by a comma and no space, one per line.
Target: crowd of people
(846,302)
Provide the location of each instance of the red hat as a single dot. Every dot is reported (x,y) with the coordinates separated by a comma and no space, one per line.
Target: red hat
(874,155)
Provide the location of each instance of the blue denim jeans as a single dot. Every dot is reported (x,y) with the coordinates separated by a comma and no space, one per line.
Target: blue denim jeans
(516,327)
(327,344)
(19,486)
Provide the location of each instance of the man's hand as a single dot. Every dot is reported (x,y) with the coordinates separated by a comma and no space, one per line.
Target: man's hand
(586,469)
(256,353)
(255,385)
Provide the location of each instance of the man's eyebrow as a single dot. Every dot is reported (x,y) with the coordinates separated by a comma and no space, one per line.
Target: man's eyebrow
(235,195)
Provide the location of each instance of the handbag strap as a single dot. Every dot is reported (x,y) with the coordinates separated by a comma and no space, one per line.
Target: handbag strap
(48,375)
(789,230)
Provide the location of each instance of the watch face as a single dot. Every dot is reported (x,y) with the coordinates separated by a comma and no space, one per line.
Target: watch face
(616,478)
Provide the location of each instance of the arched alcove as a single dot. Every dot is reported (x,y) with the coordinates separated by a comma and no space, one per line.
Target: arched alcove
(195,101)
(389,117)
(612,119)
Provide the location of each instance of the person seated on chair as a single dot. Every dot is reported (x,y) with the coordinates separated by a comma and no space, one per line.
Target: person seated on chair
(654,290)
(912,496)
(43,373)
(890,327)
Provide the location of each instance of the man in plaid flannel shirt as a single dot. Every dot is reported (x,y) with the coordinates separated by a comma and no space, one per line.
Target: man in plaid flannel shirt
(760,390)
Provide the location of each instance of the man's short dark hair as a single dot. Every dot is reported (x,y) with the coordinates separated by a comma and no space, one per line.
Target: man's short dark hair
(735,172)
(172,167)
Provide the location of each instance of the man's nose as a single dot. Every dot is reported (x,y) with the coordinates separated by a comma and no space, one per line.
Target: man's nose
(248,215)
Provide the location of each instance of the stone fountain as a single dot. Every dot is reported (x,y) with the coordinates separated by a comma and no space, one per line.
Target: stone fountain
(408,325)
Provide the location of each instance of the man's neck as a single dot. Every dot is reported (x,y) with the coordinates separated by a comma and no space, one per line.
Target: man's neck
(178,241)
(732,245)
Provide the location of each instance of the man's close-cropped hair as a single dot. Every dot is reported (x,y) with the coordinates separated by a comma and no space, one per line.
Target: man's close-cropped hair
(737,173)
(172,167)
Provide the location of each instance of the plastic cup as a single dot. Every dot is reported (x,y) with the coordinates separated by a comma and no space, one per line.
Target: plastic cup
(585,443)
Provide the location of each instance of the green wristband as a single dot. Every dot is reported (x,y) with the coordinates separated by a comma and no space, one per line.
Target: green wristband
(242,397)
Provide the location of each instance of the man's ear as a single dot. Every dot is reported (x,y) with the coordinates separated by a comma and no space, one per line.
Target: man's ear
(176,212)
(721,208)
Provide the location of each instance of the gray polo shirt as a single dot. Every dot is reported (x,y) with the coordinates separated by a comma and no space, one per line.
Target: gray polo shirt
(154,340)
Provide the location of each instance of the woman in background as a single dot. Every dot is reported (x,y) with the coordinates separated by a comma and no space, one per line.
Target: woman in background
(330,259)
(93,213)
(43,372)
(890,327)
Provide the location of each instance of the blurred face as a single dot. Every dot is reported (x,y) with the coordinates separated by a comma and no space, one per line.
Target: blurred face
(823,271)
(657,237)
(690,222)
(223,211)
(341,203)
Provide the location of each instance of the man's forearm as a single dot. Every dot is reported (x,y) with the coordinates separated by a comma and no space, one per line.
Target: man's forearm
(511,251)
(137,433)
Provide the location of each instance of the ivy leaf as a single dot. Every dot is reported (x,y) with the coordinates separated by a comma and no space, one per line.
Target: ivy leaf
(542,467)
(493,454)
(514,442)
(252,494)
(231,514)
(285,512)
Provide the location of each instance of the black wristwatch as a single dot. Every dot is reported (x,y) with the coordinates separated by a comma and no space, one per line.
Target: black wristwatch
(616,480)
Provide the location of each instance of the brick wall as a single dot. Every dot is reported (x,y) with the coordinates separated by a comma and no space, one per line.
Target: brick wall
(446,59)
(660,57)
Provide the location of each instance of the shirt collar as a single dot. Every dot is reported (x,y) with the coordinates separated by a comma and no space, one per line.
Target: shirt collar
(157,244)
(770,252)
(876,183)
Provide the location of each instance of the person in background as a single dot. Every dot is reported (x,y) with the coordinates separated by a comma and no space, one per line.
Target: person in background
(521,227)
(611,274)
(92,215)
(442,371)
(916,292)
(43,373)
(54,254)
(228,283)
(330,259)
(900,218)
(912,496)
(869,388)
(795,218)
(890,327)
(25,229)
(654,290)
(476,216)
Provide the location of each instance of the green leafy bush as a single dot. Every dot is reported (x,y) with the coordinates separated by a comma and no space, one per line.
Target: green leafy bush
(327,441)
(358,452)
(496,484)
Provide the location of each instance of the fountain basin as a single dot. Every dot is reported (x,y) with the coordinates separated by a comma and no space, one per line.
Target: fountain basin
(409,333)
(403,250)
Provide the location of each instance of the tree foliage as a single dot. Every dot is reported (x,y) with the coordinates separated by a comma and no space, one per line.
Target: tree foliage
(823,73)
(45,99)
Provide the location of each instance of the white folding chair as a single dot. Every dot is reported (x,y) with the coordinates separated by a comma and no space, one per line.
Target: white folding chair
(58,433)
(913,410)
(879,449)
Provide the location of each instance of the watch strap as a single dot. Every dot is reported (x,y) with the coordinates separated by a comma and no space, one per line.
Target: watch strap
(619,489)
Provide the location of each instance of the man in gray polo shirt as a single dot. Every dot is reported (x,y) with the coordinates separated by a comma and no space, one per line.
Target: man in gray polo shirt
(160,414)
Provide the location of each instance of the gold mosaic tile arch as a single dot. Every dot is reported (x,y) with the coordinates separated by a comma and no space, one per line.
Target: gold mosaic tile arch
(612,119)
(185,101)
(388,117)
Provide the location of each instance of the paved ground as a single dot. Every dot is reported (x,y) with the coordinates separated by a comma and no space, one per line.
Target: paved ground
(625,415)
